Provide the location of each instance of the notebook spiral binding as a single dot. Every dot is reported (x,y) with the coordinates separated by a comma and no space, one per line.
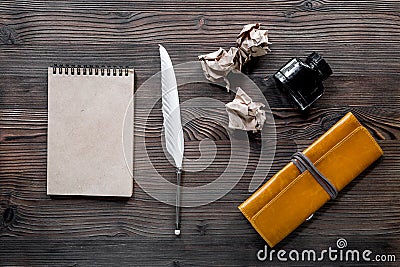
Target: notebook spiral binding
(90,70)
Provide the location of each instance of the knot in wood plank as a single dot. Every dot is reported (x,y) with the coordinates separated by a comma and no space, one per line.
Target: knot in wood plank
(201,228)
(289,14)
(201,23)
(310,5)
(8,216)
(8,35)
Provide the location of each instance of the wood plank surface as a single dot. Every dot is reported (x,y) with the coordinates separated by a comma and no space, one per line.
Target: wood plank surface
(359,39)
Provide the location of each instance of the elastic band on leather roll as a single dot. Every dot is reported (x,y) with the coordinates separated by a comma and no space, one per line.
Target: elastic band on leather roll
(303,163)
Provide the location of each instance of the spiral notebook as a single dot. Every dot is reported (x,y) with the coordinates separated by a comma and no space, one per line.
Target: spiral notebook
(90,131)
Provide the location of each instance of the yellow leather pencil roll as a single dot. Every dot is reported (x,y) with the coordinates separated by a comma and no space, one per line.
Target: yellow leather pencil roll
(311,179)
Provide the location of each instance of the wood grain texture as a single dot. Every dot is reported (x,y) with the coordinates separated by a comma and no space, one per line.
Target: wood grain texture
(360,40)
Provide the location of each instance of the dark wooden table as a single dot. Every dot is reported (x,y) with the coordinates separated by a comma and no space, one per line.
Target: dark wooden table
(361,41)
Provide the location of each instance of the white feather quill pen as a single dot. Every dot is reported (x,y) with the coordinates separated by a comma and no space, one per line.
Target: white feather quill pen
(172,123)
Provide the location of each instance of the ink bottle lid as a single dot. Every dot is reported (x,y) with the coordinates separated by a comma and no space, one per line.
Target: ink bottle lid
(317,63)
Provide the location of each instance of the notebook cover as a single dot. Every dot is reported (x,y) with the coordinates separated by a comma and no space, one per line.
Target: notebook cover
(90,134)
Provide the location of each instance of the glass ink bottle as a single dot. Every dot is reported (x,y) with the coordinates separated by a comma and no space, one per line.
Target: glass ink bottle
(302,80)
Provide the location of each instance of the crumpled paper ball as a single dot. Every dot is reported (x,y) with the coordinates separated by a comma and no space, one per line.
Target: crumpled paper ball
(244,114)
(218,64)
(251,42)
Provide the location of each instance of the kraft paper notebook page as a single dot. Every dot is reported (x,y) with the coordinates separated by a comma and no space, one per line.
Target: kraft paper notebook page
(90,132)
